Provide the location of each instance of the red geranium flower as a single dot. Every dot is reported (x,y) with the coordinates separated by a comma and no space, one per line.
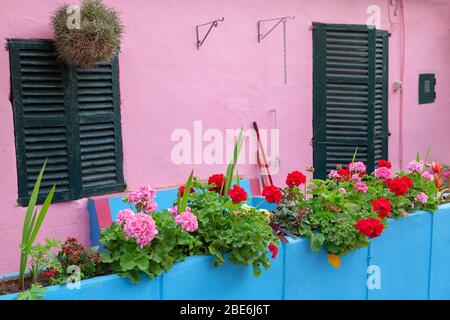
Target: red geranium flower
(400,186)
(384,163)
(370,227)
(237,194)
(272,194)
(344,174)
(295,178)
(274,249)
(182,188)
(382,206)
(218,180)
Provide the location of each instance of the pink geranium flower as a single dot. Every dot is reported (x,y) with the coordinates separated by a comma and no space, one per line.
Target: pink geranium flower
(357,167)
(361,186)
(427,175)
(187,220)
(141,227)
(123,216)
(422,197)
(382,173)
(416,166)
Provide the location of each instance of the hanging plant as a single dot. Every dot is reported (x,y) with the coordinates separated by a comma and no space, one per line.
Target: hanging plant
(92,38)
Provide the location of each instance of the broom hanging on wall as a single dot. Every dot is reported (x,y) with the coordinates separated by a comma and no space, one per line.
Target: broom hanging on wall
(266,177)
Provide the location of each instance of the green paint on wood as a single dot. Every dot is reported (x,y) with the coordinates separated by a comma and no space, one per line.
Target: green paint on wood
(68,115)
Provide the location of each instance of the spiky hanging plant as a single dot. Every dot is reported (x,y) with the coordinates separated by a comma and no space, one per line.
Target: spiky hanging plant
(97,39)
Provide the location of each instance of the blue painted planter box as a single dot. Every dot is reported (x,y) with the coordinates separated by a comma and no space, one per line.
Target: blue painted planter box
(412,256)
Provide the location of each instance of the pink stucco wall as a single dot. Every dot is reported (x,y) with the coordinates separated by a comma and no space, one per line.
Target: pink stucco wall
(167,84)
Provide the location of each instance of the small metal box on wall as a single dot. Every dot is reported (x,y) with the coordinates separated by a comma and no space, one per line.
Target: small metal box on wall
(427,88)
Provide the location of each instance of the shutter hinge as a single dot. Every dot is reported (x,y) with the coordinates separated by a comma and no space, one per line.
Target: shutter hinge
(311,142)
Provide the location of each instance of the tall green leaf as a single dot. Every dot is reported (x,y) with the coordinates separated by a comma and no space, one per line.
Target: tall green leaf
(32,224)
(185,197)
(427,154)
(232,165)
(354,154)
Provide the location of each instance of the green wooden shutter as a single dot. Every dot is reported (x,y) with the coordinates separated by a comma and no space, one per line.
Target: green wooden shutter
(69,116)
(100,144)
(347,102)
(381,127)
(39,118)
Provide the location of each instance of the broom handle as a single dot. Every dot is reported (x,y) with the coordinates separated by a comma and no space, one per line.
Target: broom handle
(266,165)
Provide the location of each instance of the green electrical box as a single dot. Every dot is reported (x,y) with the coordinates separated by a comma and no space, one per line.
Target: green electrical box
(427,88)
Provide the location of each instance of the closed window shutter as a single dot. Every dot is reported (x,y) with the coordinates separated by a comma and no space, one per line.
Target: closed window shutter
(350,104)
(99,128)
(39,118)
(381,127)
(69,116)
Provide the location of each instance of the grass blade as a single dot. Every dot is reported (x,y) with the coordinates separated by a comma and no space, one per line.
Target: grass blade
(42,214)
(427,154)
(354,154)
(185,198)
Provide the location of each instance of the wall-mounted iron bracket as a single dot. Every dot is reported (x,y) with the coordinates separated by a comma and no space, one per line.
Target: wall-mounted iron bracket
(261,36)
(211,24)
(279,20)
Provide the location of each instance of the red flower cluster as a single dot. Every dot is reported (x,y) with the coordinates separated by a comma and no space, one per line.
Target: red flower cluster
(272,194)
(295,178)
(237,194)
(344,174)
(218,180)
(400,185)
(75,253)
(384,163)
(274,249)
(369,227)
(181,190)
(50,272)
(382,206)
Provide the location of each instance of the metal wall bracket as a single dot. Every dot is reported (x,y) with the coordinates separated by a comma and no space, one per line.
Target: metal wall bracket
(261,36)
(280,20)
(211,24)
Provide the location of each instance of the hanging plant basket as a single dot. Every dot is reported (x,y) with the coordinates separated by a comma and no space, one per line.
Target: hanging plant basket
(94,39)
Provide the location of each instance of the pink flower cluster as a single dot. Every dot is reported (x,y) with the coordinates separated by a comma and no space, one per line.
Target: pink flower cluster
(357,167)
(382,173)
(427,175)
(186,219)
(422,197)
(139,226)
(333,174)
(361,186)
(144,199)
(416,166)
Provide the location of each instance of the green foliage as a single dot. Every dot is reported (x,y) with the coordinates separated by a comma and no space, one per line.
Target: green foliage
(292,213)
(97,39)
(328,216)
(73,253)
(42,256)
(182,203)
(36,292)
(231,167)
(226,228)
(126,258)
(32,224)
